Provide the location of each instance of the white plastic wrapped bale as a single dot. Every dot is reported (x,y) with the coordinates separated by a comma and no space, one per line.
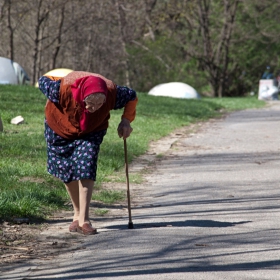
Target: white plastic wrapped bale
(174,89)
(12,73)
(59,72)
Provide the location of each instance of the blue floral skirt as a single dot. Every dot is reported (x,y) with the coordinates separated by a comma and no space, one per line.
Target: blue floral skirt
(71,160)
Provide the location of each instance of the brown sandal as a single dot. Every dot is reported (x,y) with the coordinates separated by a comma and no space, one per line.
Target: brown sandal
(74,226)
(86,229)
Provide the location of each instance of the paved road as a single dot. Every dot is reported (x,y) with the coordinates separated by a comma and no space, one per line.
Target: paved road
(209,209)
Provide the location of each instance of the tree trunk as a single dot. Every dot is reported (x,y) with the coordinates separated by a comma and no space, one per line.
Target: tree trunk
(41,17)
(1,125)
(9,26)
(58,45)
(121,18)
(216,59)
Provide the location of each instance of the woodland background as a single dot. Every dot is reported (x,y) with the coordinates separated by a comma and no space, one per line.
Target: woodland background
(220,47)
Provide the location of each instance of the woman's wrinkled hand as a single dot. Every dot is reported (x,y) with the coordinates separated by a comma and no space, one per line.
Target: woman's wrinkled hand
(124,128)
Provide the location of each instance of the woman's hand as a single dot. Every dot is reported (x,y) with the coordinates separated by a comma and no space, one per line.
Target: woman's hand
(124,128)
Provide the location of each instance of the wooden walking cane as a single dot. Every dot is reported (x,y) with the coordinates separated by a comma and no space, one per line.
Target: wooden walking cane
(130,224)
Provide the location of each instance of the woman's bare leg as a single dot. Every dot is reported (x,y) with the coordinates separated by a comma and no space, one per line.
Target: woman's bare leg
(85,193)
(73,191)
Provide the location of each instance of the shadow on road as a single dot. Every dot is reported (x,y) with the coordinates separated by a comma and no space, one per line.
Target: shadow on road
(188,223)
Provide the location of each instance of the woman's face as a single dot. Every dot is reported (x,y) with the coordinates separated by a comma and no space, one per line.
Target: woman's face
(95,101)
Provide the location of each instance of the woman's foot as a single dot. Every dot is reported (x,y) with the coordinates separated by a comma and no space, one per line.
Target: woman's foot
(74,226)
(86,229)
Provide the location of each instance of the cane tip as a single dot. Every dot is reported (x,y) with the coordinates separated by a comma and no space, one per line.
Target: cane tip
(130,225)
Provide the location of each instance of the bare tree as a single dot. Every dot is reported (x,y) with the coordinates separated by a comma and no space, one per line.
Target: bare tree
(141,43)
(206,37)
(122,24)
(149,6)
(42,15)
(11,30)
(13,18)
(215,59)
(58,38)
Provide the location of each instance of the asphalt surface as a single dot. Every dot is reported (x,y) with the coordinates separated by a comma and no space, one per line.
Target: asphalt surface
(208,209)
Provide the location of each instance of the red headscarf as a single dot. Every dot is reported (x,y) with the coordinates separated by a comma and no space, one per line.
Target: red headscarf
(84,87)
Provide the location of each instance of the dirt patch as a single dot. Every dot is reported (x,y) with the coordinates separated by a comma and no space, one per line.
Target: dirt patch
(21,242)
(32,180)
(34,240)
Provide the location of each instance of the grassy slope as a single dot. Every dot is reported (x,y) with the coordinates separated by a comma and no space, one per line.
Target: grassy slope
(26,189)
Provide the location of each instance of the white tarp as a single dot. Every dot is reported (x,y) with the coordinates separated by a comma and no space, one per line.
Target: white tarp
(268,90)
(174,89)
(12,73)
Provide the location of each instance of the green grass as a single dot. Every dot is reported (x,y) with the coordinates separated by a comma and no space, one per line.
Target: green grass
(101,212)
(108,196)
(27,190)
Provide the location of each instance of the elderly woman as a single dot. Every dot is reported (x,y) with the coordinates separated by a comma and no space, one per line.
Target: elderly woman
(77,114)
